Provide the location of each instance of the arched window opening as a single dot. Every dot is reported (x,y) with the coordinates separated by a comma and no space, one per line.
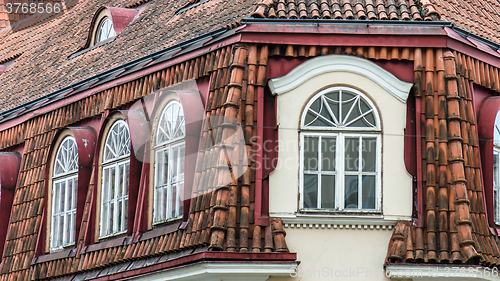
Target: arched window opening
(64,194)
(169,152)
(115,180)
(340,152)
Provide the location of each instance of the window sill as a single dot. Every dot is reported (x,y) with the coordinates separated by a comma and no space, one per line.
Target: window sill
(55,255)
(339,220)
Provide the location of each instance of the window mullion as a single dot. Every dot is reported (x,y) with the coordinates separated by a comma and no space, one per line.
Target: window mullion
(378,170)
(54,205)
(115,201)
(319,205)
(123,198)
(340,164)
(169,188)
(155,192)
(177,198)
(360,172)
(301,175)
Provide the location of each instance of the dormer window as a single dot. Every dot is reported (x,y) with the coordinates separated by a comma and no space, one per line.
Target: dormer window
(107,23)
(106,30)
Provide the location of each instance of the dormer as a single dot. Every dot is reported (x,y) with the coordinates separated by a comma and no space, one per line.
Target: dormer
(107,23)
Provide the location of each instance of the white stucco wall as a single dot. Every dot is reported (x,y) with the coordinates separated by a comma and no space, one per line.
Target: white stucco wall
(326,249)
(338,254)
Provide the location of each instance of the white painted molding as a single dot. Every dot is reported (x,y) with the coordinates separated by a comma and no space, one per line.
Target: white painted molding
(321,221)
(340,63)
(216,271)
(441,272)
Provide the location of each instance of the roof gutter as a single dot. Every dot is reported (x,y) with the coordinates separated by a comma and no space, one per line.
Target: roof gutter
(465,34)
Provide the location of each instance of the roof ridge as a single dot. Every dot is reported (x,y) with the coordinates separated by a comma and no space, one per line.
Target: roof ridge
(348,9)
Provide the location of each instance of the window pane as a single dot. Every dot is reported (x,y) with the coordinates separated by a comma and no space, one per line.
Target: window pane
(105,185)
(181,162)
(72,232)
(70,195)
(496,204)
(368,192)
(61,229)
(175,159)
(62,199)
(121,176)
(105,219)
(327,192)
(351,154)
(75,190)
(112,219)
(120,215)
(166,165)
(348,107)
(310,153)
(496,171)
(174,201)
(369,147)
(112,182)
(310,191)
(125,214)
(159,168)
(67,221)
(127,179)
(56,197)
(328,148)
(351,192)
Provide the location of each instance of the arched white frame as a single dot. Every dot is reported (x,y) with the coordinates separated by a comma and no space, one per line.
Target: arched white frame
(115,180)
(106,30)
(169,152)
(340,152)
(64,195)
(496,169)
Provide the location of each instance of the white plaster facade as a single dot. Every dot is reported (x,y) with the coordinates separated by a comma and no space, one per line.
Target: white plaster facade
(338,245)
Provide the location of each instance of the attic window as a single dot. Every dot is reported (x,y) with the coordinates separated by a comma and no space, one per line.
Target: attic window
(107,23)
(106,30)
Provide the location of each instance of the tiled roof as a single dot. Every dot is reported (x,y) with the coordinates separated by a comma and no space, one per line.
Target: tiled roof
(221,218)
(339,9)
(481,17)
(47,46)
(454,227)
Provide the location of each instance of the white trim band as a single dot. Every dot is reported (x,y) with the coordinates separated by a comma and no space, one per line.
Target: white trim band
(340,63)
(322,221)
(218,271)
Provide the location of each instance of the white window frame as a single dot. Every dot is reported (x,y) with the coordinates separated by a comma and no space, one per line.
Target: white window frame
(340,134)
(496,188)
(111,32)
(114,164)
(169,145)
(68,213)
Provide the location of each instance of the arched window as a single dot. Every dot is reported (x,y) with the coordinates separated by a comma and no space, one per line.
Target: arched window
(496,169)
(340,152)
(115,180)
(64,194)
(169,149)
(106,30)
